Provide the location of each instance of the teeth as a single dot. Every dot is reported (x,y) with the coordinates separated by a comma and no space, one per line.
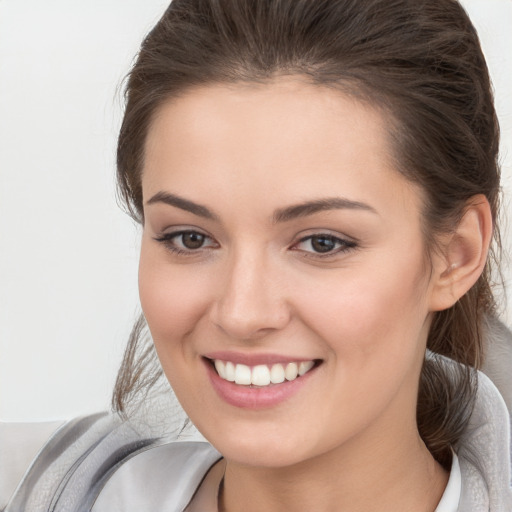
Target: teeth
(305,366)
(221,368)
(291,371)
(242,374)
(230,371)
(261,375)
(277,374)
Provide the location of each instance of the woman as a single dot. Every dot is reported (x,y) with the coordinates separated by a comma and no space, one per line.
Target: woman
(318,187)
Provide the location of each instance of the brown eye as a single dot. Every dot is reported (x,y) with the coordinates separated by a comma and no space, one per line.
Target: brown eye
(323,243)
(186,242)
(192,240)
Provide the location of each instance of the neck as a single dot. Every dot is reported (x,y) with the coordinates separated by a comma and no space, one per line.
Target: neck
(396,477)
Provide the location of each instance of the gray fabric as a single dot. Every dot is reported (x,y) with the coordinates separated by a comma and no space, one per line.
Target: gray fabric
(71,469)
(19,445)
(484,454)
(498,357)
(170,473)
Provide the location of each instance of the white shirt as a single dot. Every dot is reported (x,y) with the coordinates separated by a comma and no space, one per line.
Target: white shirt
(451,496)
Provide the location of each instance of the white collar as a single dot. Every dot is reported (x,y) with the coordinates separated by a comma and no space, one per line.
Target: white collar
(451,496)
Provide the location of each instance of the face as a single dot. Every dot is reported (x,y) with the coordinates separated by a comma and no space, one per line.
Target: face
(283,251)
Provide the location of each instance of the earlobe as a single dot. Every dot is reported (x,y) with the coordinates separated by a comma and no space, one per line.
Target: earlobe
(463,255)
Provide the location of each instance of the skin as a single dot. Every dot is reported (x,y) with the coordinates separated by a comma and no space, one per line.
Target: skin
(348,439)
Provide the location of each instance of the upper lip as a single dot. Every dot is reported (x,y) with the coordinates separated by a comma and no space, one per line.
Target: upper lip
(255,359)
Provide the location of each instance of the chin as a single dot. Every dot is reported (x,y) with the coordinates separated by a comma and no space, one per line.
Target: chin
(260,448)
(262,455)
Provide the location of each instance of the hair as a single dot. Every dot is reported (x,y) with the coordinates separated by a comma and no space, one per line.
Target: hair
(419,62)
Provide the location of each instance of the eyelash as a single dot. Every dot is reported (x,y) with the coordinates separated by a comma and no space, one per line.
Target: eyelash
(344,245)
(167,240)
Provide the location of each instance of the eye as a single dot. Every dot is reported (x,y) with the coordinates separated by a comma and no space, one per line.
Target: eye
(191,240)
(186,241)
(324,244)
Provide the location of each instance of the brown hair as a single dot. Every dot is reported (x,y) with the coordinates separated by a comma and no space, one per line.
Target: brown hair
(419,61)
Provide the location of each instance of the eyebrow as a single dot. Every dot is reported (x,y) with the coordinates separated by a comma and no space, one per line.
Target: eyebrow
(280,215)
(183,204)
(311,207)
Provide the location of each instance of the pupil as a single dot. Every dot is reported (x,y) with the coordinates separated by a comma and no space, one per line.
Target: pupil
(322,244)
(192,240)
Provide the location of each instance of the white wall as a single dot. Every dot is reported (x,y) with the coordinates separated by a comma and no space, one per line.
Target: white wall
(68,256)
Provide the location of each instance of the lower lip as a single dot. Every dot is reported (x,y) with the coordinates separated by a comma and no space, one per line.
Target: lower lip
(249,397)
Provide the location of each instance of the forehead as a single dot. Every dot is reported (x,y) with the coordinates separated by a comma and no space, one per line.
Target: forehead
(291,107)
(286,140)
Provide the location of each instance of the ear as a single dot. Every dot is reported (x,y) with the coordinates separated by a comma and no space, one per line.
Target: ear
(463,254)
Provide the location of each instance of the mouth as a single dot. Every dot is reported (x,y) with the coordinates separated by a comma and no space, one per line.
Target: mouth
(262,375)
(256,382)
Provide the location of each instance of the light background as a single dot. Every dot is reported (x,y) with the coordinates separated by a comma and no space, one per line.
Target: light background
(68,255)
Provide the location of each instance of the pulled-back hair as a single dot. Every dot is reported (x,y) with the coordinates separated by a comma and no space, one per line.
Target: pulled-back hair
(417,61)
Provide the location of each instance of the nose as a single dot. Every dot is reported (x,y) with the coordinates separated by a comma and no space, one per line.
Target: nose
(251,302)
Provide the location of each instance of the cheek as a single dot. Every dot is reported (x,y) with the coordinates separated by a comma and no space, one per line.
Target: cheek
(374,326)
(172,297)
(380,309)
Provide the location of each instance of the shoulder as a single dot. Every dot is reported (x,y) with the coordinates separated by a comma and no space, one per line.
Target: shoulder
(484,453)
(498,357)
(19,445)
(162,478)
(88,461)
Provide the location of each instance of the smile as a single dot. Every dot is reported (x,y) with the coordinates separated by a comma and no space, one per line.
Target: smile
(258,381)
(261,375)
